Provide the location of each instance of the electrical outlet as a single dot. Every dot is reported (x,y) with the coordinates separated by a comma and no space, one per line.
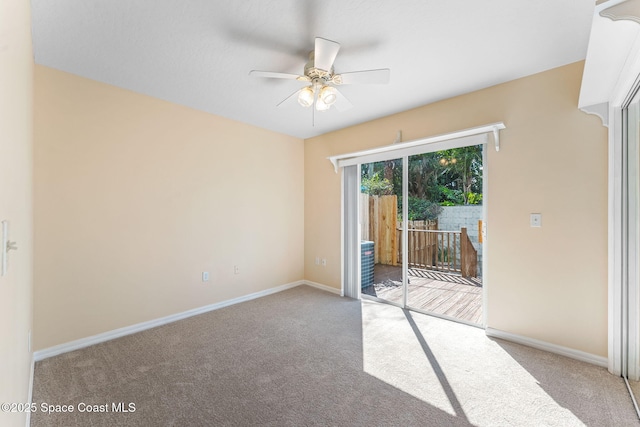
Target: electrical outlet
(205,276)
(236,269)
(324,262)
(317,260)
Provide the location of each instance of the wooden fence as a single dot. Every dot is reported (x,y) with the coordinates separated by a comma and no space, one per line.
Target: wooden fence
(428,247)
(378,223)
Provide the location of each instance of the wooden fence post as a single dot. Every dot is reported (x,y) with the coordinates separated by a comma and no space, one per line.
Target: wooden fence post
(463,251)
(373,226)
(468,255)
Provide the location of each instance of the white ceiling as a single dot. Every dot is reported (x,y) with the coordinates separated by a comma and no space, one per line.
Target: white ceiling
(199,52)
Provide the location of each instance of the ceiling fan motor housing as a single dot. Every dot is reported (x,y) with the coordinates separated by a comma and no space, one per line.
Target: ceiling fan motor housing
(316,74)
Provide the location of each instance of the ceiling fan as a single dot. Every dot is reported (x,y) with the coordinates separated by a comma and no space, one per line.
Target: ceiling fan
(321,78)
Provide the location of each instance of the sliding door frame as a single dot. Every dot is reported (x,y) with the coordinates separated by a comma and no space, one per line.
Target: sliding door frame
(626,309)
(350,261)
(624,232)
(405,231)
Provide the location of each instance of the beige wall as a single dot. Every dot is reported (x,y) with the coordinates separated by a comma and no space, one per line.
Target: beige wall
(135,197)
(16,105)
(549,283)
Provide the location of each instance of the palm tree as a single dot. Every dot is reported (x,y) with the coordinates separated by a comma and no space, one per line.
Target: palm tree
(462,168)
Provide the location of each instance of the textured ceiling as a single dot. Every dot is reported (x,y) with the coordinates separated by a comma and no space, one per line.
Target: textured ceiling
(199,52)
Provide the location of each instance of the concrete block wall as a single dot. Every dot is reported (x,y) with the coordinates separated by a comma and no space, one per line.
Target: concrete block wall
(453,218)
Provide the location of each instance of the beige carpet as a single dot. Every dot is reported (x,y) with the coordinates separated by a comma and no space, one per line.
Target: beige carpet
(305,357)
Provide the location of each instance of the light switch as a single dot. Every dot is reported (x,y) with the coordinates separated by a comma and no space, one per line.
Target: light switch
(536,220)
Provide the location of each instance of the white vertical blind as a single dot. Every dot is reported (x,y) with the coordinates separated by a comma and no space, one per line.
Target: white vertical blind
(351,252)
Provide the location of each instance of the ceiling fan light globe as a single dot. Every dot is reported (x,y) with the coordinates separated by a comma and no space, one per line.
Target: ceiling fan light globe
(328,95)
(305,97)
(321,105)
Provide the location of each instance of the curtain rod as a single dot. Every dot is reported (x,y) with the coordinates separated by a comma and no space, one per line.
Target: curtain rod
(490,128)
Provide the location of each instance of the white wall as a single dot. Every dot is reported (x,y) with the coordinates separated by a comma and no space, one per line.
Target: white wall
(16,104)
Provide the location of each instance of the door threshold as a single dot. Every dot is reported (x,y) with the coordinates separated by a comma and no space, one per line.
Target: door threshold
(417,310)
(383,301)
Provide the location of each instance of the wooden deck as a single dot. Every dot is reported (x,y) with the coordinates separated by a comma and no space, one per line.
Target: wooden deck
(440,293)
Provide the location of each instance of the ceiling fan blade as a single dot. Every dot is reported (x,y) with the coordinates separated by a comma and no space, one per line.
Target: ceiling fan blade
(325,53)
(342,103)
(380,76)
(288,98)
(274,75)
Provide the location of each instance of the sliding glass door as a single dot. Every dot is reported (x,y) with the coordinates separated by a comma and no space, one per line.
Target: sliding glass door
(444,239)
(631,244)
(420,222)
(381,186)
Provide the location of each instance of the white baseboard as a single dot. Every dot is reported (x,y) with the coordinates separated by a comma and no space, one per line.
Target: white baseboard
(128,330)
(30,392)
(323,287)
(551,348)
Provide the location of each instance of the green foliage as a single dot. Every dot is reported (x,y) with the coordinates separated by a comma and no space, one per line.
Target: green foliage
(474,198)
(421,209)
(450,197)
(448,177)
(457,197)
(376,186)
(462,171)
